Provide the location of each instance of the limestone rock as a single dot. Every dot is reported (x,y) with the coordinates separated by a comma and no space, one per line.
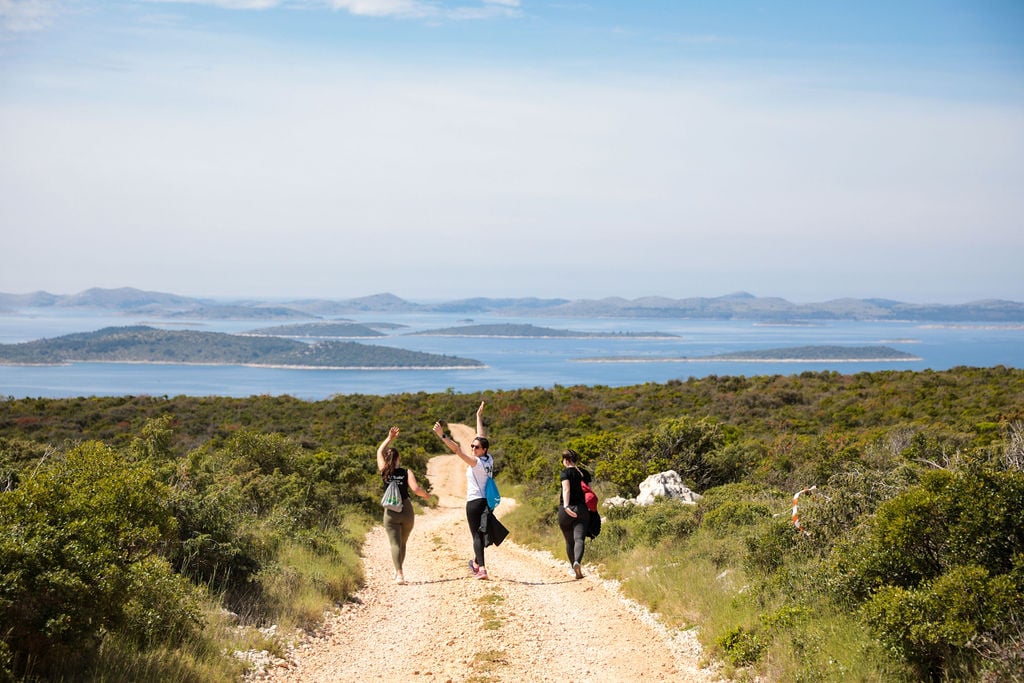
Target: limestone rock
(665,485)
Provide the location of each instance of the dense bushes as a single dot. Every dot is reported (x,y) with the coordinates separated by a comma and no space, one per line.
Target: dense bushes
(912,567)
(939,569)
(131,546)
(80,555)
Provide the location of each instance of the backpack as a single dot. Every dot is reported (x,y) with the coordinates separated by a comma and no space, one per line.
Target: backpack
(588,493)
(589,496)
(594,519)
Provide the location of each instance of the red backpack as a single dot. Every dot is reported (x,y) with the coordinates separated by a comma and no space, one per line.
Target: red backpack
(589,496)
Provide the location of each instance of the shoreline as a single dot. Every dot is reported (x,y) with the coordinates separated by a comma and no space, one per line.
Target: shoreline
(249,365)
(747,360)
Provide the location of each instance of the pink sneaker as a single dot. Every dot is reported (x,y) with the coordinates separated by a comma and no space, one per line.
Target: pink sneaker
(480,573)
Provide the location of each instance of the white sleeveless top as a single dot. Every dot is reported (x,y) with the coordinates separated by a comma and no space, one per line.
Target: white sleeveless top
(476,477)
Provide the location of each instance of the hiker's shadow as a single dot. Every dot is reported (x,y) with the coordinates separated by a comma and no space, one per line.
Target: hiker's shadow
(427,582)
(540,583)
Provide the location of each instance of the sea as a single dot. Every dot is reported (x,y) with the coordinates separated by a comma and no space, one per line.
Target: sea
(635,355)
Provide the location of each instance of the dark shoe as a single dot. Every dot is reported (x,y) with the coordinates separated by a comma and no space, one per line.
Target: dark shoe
(473,567)
(577,570)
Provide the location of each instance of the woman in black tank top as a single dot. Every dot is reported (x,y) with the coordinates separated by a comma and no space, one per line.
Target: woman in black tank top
(398,525)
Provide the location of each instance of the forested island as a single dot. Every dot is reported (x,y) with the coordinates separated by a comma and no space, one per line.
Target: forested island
(534,331)
(819,353)
(824,354)
(143,344)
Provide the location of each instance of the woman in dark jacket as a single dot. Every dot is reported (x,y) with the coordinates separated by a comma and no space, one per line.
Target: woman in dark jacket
(398,524)
(573,515)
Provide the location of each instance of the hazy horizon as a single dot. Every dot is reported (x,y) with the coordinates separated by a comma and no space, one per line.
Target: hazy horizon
(434,300)
(429,148)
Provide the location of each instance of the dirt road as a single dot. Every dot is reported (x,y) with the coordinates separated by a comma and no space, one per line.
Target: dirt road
(531,621)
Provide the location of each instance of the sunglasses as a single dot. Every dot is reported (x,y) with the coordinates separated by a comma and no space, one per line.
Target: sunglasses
(476,446)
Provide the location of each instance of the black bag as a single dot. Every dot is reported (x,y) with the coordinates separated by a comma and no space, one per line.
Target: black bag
(594,525)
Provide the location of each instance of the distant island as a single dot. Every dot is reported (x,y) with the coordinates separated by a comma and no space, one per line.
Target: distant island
(526,330)
(794,354)
(735,306)
(142,344)
(326,330)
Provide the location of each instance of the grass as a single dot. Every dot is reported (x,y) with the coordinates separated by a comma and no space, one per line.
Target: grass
(488,601)
(298,588)
(774,632)
(199,660)
(302,584)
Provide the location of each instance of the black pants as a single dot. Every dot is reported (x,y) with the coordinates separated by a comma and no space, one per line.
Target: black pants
(574,530)
(474,510)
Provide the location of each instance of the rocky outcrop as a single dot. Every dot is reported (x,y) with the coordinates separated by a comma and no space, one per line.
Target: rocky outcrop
(661,485)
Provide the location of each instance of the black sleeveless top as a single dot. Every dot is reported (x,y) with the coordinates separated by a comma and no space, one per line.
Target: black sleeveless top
(401,475)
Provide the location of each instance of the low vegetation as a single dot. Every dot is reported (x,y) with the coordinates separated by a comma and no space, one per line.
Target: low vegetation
(150,538)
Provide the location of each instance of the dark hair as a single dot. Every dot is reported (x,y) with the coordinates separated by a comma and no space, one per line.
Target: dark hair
(482,440)
(571,455)
(390,462)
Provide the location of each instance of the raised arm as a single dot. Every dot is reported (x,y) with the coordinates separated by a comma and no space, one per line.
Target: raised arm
(392,435)
(480,420)
(453,445)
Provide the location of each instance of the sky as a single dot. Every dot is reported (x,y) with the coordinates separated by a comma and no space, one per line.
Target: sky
(443,149)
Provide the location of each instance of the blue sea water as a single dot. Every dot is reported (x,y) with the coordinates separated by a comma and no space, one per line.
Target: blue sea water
(510,362)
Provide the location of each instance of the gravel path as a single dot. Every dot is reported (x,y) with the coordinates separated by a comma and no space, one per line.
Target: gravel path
(531,621)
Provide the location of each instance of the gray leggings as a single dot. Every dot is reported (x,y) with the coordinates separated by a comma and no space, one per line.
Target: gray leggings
(398,525)
(574,531)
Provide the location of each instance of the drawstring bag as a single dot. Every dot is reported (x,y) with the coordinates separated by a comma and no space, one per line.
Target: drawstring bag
(491,493)
(392,499)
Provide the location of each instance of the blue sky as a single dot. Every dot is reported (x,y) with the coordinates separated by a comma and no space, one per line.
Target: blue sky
(579,149)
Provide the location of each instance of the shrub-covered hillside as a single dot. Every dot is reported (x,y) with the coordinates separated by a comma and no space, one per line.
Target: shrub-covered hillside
(143,537)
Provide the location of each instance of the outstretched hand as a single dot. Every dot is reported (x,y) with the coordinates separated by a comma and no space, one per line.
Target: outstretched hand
(480,410)
(393,433)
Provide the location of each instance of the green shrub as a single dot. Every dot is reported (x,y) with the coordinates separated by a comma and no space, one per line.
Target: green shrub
(77,540)
(767,550)
(632,525)
(940,567)
(681,444)
(733,514)
(740,646)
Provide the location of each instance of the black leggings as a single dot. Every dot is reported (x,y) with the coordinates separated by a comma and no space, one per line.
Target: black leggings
(574,530)
(475,510)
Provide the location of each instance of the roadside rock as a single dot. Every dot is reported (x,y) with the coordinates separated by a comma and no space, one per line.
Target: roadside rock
(662,485)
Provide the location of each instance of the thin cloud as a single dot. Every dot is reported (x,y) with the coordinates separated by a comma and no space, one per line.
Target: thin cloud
(226,4)
(424,9)
(23,16)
